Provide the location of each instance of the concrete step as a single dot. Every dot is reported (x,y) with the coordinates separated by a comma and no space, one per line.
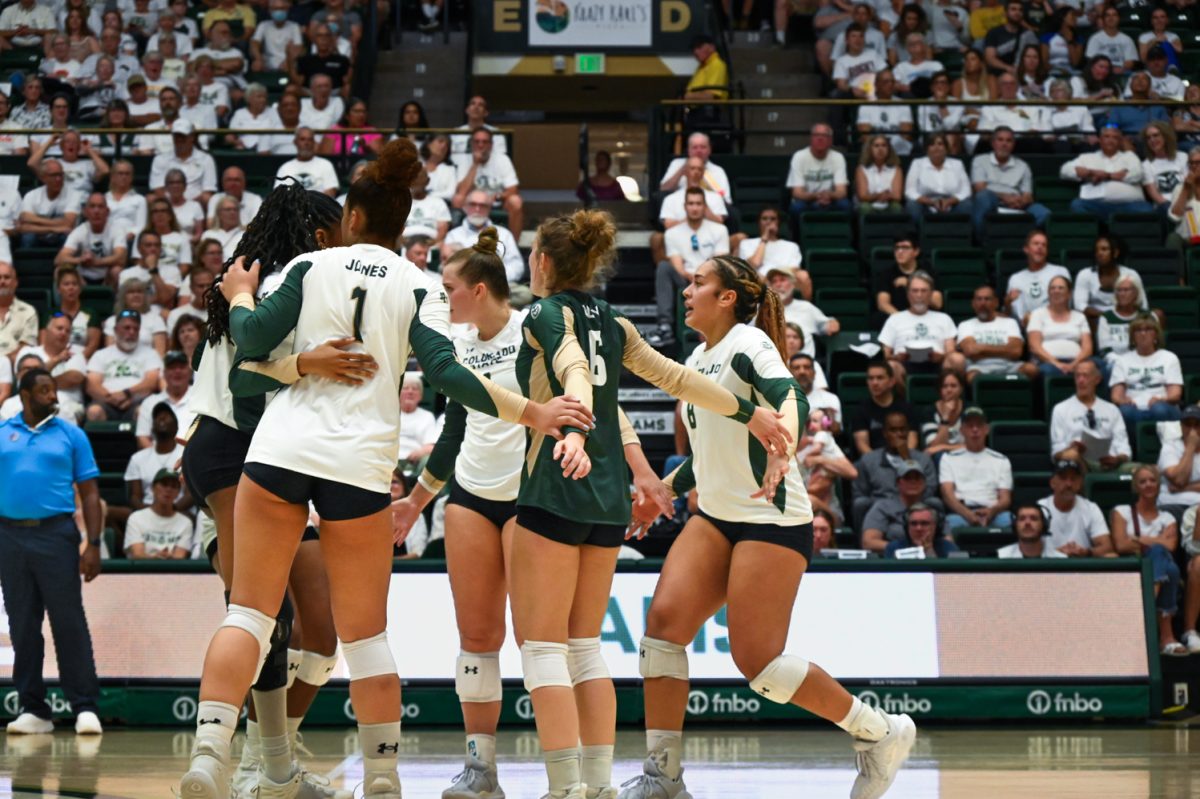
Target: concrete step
(424,69)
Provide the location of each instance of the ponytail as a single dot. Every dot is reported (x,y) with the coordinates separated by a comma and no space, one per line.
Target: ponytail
(755,301)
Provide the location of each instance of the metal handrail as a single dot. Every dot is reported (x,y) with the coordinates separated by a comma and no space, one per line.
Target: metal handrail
(841,101)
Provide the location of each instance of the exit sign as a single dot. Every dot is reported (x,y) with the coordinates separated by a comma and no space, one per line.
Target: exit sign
(589,63)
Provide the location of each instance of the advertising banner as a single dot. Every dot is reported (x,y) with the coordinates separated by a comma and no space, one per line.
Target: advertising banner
(652,27)
(589,23)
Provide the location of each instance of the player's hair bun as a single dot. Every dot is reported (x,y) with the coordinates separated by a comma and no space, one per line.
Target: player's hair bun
(397,166)
(489,241)
(593,231)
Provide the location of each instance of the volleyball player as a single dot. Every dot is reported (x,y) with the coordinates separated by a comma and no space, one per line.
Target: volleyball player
(741,552)
(230,393)
(336,445)
(562,568)
(484,455)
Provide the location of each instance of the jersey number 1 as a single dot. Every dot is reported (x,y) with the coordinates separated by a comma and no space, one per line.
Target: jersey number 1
(599,369)
(358,296)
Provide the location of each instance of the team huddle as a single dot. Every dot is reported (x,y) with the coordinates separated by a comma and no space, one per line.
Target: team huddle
(311,329)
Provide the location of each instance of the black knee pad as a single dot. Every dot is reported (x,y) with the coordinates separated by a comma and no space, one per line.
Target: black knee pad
(275,668)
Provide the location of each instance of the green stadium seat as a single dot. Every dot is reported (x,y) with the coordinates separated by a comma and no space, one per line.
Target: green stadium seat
(1008,263)
(1108,490)
(1186,345)
(852,388)
(959,268)
(21,59)
(1193,266)
(1077,259)
(957,303)
(1191,388)
(825,229)
(1006,230)
(1025,443)
(1072,231)
(945,230)
(112,488)
(1055,193)
(832,268)
(1158,266)
(1029,487)
(983,542)
(1004,396)
(1138,231)
(922,389)
(839,355)
(952,60)
(99,299)
(1180,304)
(1146,444)
(878,230)
(113,444)
(880,260)
(1055,390)
(847,305)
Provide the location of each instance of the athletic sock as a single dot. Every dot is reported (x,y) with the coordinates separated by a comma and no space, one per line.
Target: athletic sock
(864,722)
(252,749)
(482,747)
(216,722)
(670,744)
(563,771)
(293,731)
(381,749)
(271,709)
(596,770)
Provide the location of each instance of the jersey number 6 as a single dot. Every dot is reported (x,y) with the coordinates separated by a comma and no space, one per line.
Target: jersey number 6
(359,296)
(599,369)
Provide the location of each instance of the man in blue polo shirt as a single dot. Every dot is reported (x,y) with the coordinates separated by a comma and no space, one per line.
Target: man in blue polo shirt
(41,458)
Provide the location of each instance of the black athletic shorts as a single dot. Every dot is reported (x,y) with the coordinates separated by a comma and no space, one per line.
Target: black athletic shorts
(213,458)
(495,511)
(798,537)
(310,534)
(569,531)
(333,500)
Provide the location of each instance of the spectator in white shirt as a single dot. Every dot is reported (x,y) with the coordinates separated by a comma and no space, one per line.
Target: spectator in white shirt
(23,24)
(811,319)
(255,115)
(419,428)
(81,163)
(878,178)
(1084,412)
(276,41)
(886,116)
(429,216)
(1111,178)
(1163,84)
(864,15)
(220,64)
(1179,461)
(1144,530)
(1059,337)
(854,71)
(322,109)
(227,228)
(1004,183)
(1165,167)
(976,482)
(769,251)
(477,114)
(672,211)
(200,280)
(198,167)
(65,363)
(309,169)
(98,247)
(288,110)
(1033,540)
(59,65)
(1109,41)
(936,184)
(1112,328)
(121,375)
(233,184)
(918,65)
(1147,382)
(1184,208)
(1059,122)
(817,176)
(687,245)
(1009,110)
(201,107)
(159,531)
(714,179)
(487,170)
(1028,289)
(992,344)
(169,102)
(1095,285)
(48,213)
(477,206)
(804,370)
(1077,526)
(177,377)
(920,339)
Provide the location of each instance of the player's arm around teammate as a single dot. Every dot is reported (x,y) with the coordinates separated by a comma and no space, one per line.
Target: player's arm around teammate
(749,557)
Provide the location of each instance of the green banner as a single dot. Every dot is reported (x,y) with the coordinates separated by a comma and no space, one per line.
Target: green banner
(436,705)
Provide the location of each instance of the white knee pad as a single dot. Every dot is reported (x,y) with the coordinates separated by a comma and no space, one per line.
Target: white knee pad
(658,658)
(477,677)
(584,660)
(545,665)
(781,678)
(255,622)
(315,668)
(368,657)
(294,657)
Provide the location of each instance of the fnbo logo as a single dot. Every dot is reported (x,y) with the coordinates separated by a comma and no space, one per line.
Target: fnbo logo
(524,707)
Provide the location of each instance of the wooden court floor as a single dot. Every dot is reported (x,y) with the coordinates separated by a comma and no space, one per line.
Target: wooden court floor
(737,762)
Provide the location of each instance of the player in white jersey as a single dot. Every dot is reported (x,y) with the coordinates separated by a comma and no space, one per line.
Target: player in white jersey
(336,446)
(741,552)
(230,398)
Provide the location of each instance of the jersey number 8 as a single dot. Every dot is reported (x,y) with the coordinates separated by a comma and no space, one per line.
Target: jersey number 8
(599,369)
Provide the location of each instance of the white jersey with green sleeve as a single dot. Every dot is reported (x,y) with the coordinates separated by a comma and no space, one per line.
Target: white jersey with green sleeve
(727,462)
(484,453)
(349,434)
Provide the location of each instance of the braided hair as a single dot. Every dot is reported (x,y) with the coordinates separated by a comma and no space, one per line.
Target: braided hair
(284,227)
(756,303)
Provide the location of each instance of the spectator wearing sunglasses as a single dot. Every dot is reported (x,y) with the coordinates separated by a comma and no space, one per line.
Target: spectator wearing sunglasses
(1085,417)
(688,245)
